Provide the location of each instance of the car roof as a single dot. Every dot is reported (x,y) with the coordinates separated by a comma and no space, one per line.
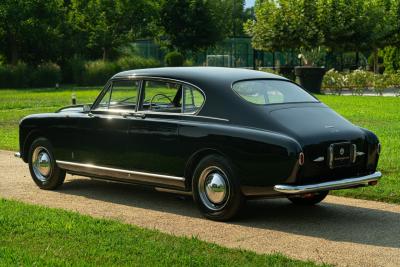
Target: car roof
(200,75)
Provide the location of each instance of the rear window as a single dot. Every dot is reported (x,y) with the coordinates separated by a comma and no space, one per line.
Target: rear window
(263,92)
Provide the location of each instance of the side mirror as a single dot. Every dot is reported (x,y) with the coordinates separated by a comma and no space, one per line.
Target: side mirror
(86,108)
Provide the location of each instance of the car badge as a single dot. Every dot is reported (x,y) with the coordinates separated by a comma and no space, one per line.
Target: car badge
(341,151)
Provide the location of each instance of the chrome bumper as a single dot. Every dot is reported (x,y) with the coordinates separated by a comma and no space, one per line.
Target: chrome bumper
(332,185)
(17,155)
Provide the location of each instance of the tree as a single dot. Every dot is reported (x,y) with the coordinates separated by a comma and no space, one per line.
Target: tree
(379,26)
(30,30)
(230,16)
(105,25)
(189,25)
(284,24)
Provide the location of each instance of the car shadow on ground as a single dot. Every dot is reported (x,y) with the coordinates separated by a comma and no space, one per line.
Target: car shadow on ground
(335,222)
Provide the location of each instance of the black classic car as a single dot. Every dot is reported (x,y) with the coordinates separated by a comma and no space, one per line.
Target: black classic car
(223,135)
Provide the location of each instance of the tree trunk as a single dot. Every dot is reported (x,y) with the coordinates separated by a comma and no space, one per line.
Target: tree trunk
(273,60)
(357,59)
(104,53)
(14,56)
(376,67)
(341,61)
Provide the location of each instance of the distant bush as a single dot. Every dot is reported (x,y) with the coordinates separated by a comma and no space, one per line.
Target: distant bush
(395,79)
(335,82)
(46,75)
(188,63)
(16,76)
(174,59)
(73,70)
(391,58)
(98,72)
(359,81)
(136,62)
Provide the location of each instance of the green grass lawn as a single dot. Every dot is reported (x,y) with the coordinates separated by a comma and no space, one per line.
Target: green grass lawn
(37,236)
(379,114)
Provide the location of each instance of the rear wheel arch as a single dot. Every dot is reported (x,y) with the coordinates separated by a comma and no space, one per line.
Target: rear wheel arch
(195,159)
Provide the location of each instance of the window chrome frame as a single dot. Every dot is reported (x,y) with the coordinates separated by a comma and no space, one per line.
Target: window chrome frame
(141,79)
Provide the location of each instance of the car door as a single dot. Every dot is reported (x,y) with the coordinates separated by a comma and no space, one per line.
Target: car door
(104,130)
(153,130)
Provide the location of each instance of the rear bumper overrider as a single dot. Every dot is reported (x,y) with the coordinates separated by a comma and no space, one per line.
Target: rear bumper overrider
(366,180)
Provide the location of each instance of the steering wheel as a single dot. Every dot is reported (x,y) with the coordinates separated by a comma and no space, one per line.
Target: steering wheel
(163,96)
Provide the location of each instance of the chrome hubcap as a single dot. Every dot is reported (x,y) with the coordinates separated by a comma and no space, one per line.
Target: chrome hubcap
(214,188)
(41,163)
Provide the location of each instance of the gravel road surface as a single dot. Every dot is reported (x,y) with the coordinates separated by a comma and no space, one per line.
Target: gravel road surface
(340,231)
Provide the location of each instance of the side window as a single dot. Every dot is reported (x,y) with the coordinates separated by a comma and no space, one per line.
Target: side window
(161,96)
(193,99)
(121,95)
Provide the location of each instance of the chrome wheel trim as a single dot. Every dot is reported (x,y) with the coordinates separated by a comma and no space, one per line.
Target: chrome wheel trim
(214,188)
(42,163)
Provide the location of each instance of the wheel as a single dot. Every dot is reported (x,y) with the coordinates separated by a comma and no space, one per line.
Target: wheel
(309,199)
(42,165)
(216,189)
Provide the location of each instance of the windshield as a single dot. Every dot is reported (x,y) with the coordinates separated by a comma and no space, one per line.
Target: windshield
(271,92)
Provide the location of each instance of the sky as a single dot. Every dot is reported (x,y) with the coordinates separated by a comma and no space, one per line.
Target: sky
(249,3)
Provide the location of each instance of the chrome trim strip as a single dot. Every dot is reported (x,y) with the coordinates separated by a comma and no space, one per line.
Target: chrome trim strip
(360,153)
(330,155)
(333,185)
(319,159)
(121,112)
(354,153)
(127,175)
(17,155)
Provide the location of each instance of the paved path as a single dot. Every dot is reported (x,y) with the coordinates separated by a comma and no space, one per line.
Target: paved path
(341,231)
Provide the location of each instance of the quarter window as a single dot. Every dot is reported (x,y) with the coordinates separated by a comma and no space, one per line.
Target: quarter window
(193,99)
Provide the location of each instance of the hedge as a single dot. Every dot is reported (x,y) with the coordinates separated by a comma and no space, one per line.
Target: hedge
(75,71)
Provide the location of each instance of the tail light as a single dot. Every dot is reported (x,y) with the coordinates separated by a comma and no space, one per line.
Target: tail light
(301,158)
(379,148)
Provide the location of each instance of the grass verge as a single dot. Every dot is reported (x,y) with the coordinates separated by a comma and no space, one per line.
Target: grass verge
(33,235)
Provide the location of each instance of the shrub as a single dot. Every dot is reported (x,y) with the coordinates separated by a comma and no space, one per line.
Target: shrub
(188,63)
(391,58)
(136,62)
(335,82)
(174,59)
(14,76)
(46,75)
(395,80)
(98,72)
(359,81)
(381,82)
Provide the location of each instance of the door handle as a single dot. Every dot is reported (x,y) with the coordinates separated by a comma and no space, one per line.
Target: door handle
(139,115)
(136,115)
